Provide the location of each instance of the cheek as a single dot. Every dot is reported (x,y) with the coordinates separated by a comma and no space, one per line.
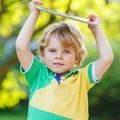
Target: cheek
(46,55)
(70,58)
(48,58)
(46,61)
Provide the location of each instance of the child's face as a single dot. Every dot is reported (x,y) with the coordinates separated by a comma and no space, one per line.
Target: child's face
(59,59)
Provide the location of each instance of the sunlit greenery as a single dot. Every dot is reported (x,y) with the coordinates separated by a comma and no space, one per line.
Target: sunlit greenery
(14,88)
(104,97)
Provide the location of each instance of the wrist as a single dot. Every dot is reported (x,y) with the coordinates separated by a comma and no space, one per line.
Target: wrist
(95,28)
(35,13)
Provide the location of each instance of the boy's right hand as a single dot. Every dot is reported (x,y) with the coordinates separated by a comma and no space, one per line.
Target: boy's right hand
(32,6)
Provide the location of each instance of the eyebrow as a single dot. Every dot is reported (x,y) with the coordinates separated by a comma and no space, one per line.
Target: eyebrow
(51,47)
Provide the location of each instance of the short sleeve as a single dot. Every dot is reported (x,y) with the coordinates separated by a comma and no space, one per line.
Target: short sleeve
(96,79)
(32,73)
(91,73)
(92,80)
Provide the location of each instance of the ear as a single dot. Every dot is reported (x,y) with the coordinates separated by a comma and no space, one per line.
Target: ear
(76,61)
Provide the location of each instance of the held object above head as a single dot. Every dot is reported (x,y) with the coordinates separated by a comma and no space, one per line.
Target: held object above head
(65,15)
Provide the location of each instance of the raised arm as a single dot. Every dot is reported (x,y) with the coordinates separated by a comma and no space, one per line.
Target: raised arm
(22,43)
(105,52)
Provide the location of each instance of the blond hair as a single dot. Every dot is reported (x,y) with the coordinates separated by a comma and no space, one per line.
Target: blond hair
(68,34)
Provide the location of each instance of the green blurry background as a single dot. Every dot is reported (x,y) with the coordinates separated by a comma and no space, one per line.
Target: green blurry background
(104,98)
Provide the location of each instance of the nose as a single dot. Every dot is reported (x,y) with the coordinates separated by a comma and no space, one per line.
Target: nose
(59,55)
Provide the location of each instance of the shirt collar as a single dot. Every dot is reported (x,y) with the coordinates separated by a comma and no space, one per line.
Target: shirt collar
(72,71)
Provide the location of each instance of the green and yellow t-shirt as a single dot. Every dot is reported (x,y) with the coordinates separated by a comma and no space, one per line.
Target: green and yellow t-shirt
(51,99)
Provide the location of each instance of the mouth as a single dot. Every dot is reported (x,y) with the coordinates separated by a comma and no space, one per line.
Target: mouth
(58,64)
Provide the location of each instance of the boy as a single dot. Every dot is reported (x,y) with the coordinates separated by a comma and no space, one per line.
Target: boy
(58,87)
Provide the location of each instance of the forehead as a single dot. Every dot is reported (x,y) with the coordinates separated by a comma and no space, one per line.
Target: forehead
(64,39)
(56,43)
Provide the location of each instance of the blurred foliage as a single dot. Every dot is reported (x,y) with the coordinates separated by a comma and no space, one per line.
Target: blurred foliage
(13,88)
(104,97)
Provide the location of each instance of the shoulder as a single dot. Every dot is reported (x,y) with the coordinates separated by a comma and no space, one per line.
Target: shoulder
(87,75)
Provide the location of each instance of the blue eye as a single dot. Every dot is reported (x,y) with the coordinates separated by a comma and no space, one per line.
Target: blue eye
(52,50)
(67,51)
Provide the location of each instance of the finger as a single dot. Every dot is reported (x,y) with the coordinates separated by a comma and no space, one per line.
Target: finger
(91,17)
(37,2)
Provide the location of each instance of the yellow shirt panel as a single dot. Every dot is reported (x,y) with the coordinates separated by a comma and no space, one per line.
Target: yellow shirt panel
(69,99)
